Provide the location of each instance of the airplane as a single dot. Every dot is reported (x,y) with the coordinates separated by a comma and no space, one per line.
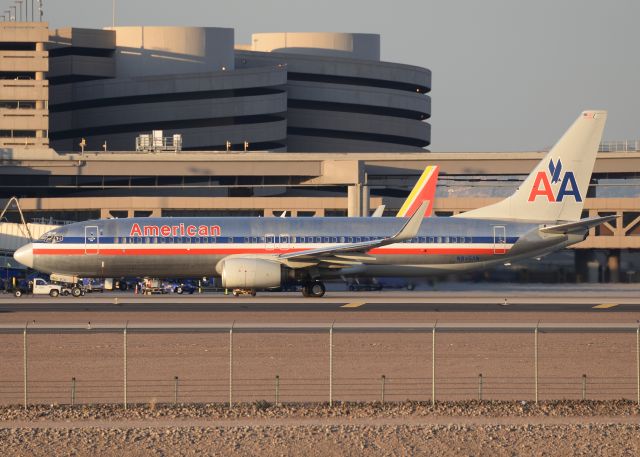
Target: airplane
(248,253)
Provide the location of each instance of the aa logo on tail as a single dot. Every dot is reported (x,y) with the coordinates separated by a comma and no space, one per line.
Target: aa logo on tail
(542,185)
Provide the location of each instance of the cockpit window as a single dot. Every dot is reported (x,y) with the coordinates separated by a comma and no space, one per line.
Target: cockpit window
(51,238)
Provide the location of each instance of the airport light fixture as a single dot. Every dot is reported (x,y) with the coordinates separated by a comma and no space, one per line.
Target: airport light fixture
(19,2)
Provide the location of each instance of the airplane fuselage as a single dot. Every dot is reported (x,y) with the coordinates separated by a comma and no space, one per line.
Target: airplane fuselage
(193,247)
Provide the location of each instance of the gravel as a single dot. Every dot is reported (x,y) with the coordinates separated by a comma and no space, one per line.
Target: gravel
(468,428)
(264,410)
(444,440)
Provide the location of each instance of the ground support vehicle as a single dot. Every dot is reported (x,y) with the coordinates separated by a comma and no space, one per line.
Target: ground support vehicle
(37,286)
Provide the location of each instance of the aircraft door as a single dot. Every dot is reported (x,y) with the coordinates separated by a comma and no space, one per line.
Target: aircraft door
(499,239)
(91,240)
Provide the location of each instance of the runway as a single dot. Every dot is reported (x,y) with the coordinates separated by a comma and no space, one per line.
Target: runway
(569,303)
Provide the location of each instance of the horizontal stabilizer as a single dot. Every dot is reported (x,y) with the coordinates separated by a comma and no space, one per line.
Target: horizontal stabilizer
(578,226)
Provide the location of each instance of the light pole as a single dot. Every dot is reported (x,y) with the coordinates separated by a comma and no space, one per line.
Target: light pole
(19,2)
(13,18)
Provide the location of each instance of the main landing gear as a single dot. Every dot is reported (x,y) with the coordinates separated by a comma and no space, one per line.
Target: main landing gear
(313,289)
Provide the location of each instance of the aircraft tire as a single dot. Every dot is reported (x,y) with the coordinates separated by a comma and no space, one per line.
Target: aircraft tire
(76,292)
(317,289)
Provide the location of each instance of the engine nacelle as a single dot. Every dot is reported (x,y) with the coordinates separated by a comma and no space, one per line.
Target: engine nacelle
(243,273)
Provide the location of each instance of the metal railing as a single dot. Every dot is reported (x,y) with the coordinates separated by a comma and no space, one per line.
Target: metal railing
(228,387)
(620,146)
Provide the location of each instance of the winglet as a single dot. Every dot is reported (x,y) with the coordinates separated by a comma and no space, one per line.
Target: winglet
(379,211)
(412,226)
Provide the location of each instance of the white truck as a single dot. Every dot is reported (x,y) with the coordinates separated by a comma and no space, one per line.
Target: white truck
(39,287)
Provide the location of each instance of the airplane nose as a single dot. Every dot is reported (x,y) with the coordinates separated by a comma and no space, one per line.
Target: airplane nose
(24,255)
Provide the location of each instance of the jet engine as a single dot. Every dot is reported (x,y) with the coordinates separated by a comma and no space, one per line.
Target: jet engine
(245,273)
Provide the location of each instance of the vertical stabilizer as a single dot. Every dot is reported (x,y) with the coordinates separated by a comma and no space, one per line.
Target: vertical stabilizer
(424,190)
(556,189)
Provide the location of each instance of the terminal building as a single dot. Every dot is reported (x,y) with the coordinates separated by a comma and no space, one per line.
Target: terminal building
(314,124)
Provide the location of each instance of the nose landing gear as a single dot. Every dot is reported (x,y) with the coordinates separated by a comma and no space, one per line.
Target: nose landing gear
(313,289)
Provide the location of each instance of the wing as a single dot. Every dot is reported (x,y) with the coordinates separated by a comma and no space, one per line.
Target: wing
(344,252)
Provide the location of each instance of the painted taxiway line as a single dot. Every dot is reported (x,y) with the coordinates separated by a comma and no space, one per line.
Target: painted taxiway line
(605,306)
(357,304)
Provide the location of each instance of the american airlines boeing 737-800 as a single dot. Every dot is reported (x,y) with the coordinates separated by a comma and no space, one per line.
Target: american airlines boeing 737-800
(542,216)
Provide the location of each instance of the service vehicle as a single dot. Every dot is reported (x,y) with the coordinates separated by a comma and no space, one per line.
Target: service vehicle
(37,286)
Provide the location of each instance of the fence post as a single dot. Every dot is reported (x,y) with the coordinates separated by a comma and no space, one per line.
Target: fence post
(433,364)
(231,365)
(175,389)
(25,363)
(480,387)
(277,390)
(331,365)
(125,363)
(383,383)
(73,391)
(535,362)
(638,360)
(584,387)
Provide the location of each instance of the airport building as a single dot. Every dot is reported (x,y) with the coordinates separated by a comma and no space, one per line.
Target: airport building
(24,94)
(328,128)
(302,92)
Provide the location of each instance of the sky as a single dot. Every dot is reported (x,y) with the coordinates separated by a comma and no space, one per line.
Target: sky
(507,75)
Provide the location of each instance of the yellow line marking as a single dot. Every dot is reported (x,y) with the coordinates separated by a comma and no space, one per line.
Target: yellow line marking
(605,306)
(353,305)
